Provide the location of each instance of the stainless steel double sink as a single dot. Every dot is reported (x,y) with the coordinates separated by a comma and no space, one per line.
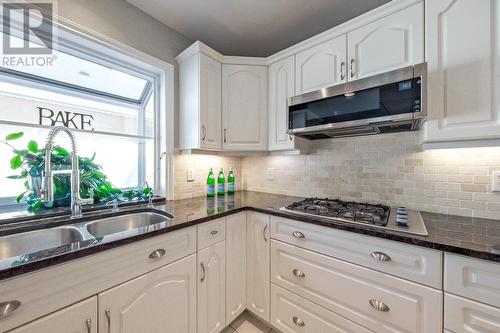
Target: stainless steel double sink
(43,239)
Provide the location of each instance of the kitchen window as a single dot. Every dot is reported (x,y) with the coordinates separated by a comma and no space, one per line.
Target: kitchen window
(111,100)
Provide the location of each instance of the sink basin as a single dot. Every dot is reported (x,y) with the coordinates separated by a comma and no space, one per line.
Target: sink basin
(145,221)
(34,241)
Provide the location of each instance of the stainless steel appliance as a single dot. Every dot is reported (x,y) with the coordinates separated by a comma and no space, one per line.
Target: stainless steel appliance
(390,102)
(378,216)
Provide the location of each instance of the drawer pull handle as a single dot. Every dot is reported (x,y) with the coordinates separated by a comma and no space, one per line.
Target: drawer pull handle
(264,233)
(89,325)
(298,234)
(214,232)
(298,273)
(203,275)
(380,256)
(299,322)
(379,305)
(108,319)
(6,308)
(157,254)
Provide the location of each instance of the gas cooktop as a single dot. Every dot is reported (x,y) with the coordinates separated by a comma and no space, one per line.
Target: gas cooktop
(379,216)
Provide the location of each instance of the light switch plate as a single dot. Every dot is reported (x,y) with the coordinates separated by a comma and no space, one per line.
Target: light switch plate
(495,181)
(270,173)
(190,174)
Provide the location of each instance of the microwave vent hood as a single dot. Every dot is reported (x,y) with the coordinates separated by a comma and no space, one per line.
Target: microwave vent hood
(386,103)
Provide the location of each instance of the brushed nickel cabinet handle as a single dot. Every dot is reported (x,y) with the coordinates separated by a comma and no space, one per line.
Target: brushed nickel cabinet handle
(379,305)
(298,273)
(342,70)
(7,308)
(380,256)
(298,234)
(157,254)
(299,322)
(352,67)
(203,272)
(264,233)
(204,133)
(225,135)
(108,319)
(89,325)
(214,232)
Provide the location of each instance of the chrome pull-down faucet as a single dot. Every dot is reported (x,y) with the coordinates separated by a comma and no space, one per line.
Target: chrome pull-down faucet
(48,179)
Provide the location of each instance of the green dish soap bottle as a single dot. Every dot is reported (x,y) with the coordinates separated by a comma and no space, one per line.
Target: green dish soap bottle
(220,183)
(230,181)
(210,184)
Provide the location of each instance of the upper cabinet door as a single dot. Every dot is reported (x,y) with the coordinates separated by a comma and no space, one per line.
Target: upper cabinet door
(281,87)
(163,300)
(463,72)
(321,66)
(392,42)
(244,107)
(210,103)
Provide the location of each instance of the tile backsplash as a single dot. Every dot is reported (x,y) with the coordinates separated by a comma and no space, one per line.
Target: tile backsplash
(390,169)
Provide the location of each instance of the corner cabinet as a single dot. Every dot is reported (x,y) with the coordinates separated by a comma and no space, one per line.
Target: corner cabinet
(463,76)
(78,318)
(281,87)
(244,107)
(392,42)
(160,301)
(321,66)
(258,265)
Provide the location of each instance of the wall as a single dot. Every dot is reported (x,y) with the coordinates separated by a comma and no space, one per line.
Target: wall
(389,169)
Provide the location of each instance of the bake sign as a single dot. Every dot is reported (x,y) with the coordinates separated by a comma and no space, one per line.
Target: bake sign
(68,119)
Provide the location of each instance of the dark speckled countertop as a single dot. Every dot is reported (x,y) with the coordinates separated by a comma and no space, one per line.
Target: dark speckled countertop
(474,237)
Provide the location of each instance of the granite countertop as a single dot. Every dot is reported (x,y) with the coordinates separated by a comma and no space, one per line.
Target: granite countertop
(474,237)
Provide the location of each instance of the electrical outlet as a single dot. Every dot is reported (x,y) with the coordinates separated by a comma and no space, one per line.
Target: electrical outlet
(270,173)
(190,174)
(495,181)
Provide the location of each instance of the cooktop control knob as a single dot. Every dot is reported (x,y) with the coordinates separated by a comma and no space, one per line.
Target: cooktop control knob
(402,217)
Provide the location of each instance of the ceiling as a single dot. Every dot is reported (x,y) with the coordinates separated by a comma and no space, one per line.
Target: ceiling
(253,27)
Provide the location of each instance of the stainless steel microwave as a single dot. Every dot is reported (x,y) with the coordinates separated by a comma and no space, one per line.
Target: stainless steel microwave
(390,102)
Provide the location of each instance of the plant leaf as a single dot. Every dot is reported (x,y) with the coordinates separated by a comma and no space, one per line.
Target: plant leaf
(37,204)
(33,146)
(20,197)
(61,151)
(27,185)
(16,162)
(21,176)
(14,136)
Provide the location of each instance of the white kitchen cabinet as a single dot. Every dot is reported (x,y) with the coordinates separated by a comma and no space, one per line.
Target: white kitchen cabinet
(258,265)
(321,66)
(281,87)
(200,102)
(464,316)
(463,72)
(212,288)
(392,42)
(236,265)
(244,107)
(78,318)
(163,300)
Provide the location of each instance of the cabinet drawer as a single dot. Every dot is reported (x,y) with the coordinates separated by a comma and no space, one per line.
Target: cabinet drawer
(293,314)
(48,290)
(349,289)
(211,232)
(410,262)
(464,316)
(472,278)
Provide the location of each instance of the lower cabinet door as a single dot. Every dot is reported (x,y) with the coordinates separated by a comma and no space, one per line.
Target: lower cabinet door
(78,318)
(212,288)
(258,265)
(465,316)
(293,314)
(160,301)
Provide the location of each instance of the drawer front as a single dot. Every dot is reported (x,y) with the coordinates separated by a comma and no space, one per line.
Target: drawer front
(293,314)
(464,316)
(211,232)
(472,278)
(409,262)
(348,290)
(48,290)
